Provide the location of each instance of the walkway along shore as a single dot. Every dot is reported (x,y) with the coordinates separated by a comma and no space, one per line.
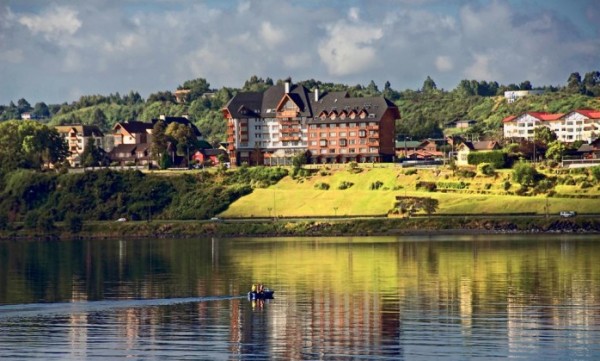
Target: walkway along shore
(299,228)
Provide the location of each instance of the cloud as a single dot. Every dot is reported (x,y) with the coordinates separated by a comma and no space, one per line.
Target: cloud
(349,49)
(104,46)
(53,23)
(443,63)
(271,35)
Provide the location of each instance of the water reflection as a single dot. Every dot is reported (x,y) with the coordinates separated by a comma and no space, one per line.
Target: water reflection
(385,298)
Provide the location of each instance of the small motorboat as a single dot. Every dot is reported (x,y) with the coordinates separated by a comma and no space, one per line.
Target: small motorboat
(265,294)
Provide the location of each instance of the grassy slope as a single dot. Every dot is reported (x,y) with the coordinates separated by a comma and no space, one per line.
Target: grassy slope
(299,198)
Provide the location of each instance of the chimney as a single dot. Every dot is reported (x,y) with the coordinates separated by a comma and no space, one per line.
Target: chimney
(288,83)
(316,94)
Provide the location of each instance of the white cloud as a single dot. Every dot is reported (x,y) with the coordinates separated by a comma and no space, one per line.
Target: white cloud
(349,48)
(271,35)
(354,14)
(12,56)
(53,23)
(298,61)
(443,63)
(480,68)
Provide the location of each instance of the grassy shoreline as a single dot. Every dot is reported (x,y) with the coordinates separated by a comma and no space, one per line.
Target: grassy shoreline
(328,227)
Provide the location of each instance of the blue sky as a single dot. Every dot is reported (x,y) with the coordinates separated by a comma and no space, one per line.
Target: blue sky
(56,51)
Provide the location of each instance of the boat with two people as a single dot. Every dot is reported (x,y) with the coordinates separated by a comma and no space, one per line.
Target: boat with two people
(259,292)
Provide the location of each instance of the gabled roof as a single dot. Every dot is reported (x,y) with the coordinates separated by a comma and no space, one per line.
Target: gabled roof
(254,104)
(409,144)
(134,127)
(589,113)
(542,116)
(85,130)
(483,145)
(124,148)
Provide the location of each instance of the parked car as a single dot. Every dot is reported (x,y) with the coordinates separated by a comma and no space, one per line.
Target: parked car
(122,220)
(216,219)
(567,214)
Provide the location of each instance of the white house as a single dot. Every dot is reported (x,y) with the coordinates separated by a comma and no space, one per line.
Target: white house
(583,124)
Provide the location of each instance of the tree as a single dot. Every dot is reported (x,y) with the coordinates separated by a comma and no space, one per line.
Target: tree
(197,88)
(429,205)
(183,138)
(41,110)
(544,135)
(556,150)
(526,85)
(159,140)
(74,222)
(524,174)
(92,155)
(164,96)
(574,83)
(98,118)
(23,106)
(428,85)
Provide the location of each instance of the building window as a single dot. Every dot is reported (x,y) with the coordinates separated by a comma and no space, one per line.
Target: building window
(362,133)
(332,134)
(323,143)
(313,142)
(343,134)
(342,125)
(343,142)
(323,135)
(352,150)
(332,142)
(353,134)
(352,141)
(373,150)
(332,151)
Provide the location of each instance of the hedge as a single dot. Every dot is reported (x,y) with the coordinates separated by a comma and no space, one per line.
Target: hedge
(497,158)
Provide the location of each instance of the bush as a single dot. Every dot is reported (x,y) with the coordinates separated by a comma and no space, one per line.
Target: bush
(322,186)
(345,185)
(595,172)
(525,174)
(74,222)
(586,184)
(410,172)
(506,185)
(428,186)
(486,169)
(496,158)
(376,185)
(452,185)
(465,173)
(354,168)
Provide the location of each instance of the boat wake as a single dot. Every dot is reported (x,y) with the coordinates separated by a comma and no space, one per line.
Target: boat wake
(53,309)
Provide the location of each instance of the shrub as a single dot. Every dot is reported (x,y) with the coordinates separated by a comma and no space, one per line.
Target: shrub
(486,169)
(428,186)
(465,173)
(487,186)
(506,185)
(410,172)
(322,186)
(524,174)
(586,184)
(376,185)
(497,158)
(74,222)
(354,168)
(345,185)
(595,172)
(453,185)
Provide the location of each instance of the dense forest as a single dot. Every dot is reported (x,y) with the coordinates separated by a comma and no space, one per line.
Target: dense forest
(425,111)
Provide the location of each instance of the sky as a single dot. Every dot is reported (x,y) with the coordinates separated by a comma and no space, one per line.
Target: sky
(56,51)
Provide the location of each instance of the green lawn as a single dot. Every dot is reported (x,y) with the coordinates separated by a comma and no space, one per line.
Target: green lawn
(290,198)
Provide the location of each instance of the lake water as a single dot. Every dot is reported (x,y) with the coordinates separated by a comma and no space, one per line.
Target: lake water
(398,298)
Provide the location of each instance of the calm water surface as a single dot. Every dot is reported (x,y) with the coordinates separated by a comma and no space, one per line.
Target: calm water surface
(376,298)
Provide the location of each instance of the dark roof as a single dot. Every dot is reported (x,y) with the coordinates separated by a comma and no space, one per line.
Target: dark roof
(124,148)
(135,126)
(209,152)
(483,145)
(255,104)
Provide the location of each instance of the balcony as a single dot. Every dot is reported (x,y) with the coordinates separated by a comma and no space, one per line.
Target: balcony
(287,114)
(289,139)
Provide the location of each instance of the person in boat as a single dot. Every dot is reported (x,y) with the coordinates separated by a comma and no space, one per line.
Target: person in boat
(254,288)
(261,288)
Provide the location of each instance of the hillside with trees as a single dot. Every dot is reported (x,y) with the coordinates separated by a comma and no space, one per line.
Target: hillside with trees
(425,112)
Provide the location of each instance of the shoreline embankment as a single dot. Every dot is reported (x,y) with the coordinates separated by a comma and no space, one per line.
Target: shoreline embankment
(314,227)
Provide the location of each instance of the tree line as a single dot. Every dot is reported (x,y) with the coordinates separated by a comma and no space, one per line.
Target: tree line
(425,111)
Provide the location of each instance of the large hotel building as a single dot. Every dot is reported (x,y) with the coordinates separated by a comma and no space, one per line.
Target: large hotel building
(271,127)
